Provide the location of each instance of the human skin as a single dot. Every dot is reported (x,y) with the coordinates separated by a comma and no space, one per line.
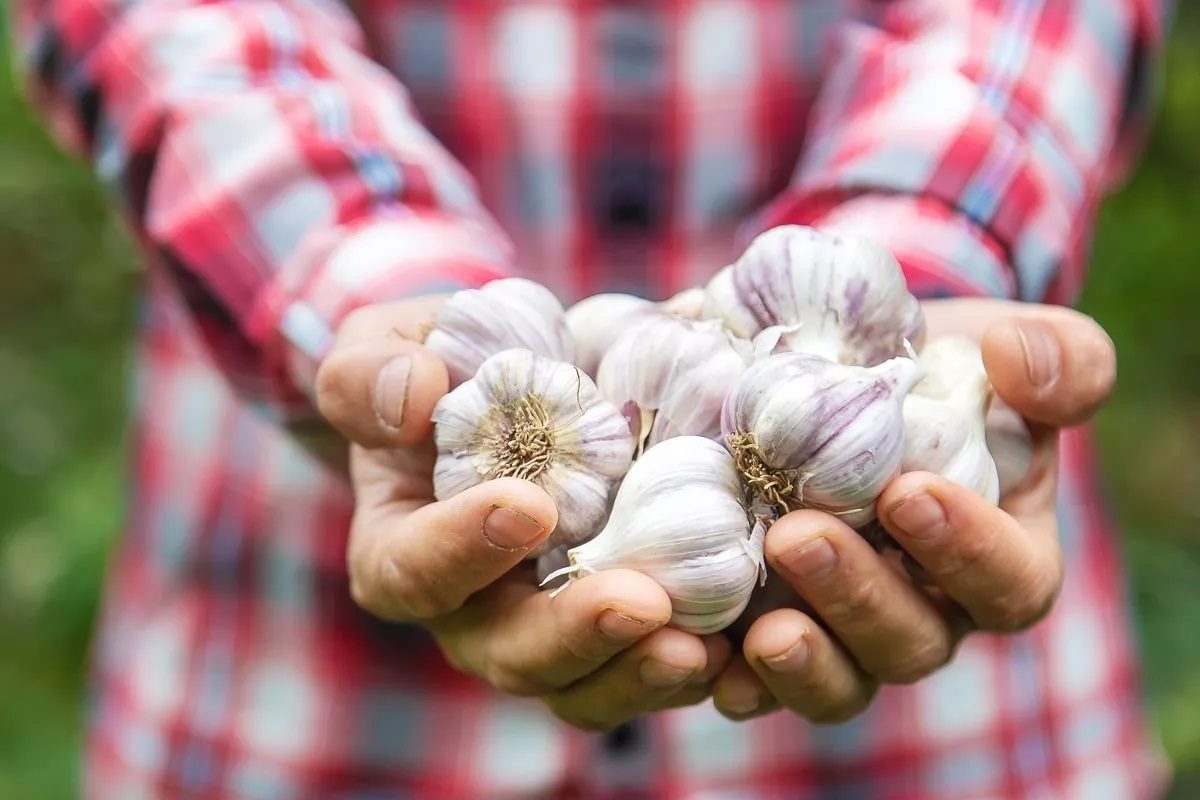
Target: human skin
(599,653)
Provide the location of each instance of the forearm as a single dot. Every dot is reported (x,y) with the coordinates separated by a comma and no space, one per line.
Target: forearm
(265,162)
(976,139)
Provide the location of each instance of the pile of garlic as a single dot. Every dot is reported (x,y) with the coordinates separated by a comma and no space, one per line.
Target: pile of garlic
(672,435)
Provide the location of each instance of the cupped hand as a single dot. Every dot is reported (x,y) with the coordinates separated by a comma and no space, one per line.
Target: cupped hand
(991,569)
(597,653)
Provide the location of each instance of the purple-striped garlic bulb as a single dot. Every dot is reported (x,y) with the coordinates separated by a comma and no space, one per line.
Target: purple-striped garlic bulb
(524,416)
(597,321)
(669,376)
(807,432)
(836,296)
(511,313)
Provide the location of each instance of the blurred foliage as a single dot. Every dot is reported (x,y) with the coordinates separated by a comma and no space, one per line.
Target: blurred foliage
(66,316)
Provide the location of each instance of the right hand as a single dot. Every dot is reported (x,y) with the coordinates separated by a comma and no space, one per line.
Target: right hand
(597,654)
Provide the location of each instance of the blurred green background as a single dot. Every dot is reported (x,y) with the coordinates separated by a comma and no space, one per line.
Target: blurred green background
(67,276)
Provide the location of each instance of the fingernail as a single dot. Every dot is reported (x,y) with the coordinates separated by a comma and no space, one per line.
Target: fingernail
(391,390)
(621,627)
(740,701)
(813,559)
(1043,357)
(791,660)
(920,516)
(663,676)
(510,529)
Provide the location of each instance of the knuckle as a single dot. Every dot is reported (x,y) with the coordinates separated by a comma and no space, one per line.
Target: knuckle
(917,662)
(856,597)
(845,708)
(967,555)
(392,593)
(515,682)
(1028,602)
(1019,611)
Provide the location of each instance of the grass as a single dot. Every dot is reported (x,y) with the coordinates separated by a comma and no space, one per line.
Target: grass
(66,317)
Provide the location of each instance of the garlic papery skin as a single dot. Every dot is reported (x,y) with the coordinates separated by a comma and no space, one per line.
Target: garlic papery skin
(669,376)
(476,324)
(840,297)
(1010,443)
(598,321)
(524,416)
(807,432)
(679,519)
(944,418)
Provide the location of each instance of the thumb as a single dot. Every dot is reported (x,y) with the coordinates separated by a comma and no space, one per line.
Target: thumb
(380,392)
(1055,366)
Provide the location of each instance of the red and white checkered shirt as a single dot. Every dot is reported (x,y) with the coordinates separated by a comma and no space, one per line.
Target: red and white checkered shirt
(284,161)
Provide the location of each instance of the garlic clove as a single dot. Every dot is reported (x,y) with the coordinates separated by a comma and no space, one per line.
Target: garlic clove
(675,373)
(844,296)
(598,321)
(1011,445)
(476,324)
(679,519)
(807,432)
(525,416)
(944,418)
(688,304)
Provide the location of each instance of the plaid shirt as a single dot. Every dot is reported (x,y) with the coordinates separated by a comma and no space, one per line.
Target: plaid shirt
(284,161)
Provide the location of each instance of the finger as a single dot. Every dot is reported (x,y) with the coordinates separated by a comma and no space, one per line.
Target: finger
(890,627)
(635,682)
(804,669)
(527,642)
(1005,575)
(719,653)
(409,561)
(740,694)
(381,392)
(1056,367)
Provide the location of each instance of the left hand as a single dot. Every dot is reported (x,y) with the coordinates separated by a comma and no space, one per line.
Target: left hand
(995,569)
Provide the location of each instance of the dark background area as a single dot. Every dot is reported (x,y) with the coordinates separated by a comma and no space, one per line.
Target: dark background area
(68,275)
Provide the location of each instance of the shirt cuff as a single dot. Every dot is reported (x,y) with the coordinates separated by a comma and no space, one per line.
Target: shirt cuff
(941,251)
(377,261)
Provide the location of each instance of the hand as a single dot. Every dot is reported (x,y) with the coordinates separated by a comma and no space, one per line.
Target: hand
(994,569)
(597,653)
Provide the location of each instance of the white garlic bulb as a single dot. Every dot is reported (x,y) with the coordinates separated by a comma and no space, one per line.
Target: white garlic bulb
(476,324)
(807,432)
(597,321)
(679,519)
(944,418)
(1010,443)
(840,297)
(524,416)
(669,376)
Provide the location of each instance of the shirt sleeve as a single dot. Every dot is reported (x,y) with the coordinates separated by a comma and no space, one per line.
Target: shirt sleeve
(975,138)
(266,162)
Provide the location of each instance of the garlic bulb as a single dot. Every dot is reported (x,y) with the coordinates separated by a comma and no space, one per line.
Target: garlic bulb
(679,519)
(1010,443)
(669,376)
(597,321)
(524,416)
(944,418)
(840,297)
(476,324)
(807,432)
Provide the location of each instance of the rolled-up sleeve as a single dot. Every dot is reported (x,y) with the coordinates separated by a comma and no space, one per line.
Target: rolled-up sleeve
(265,161)
(976,138)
